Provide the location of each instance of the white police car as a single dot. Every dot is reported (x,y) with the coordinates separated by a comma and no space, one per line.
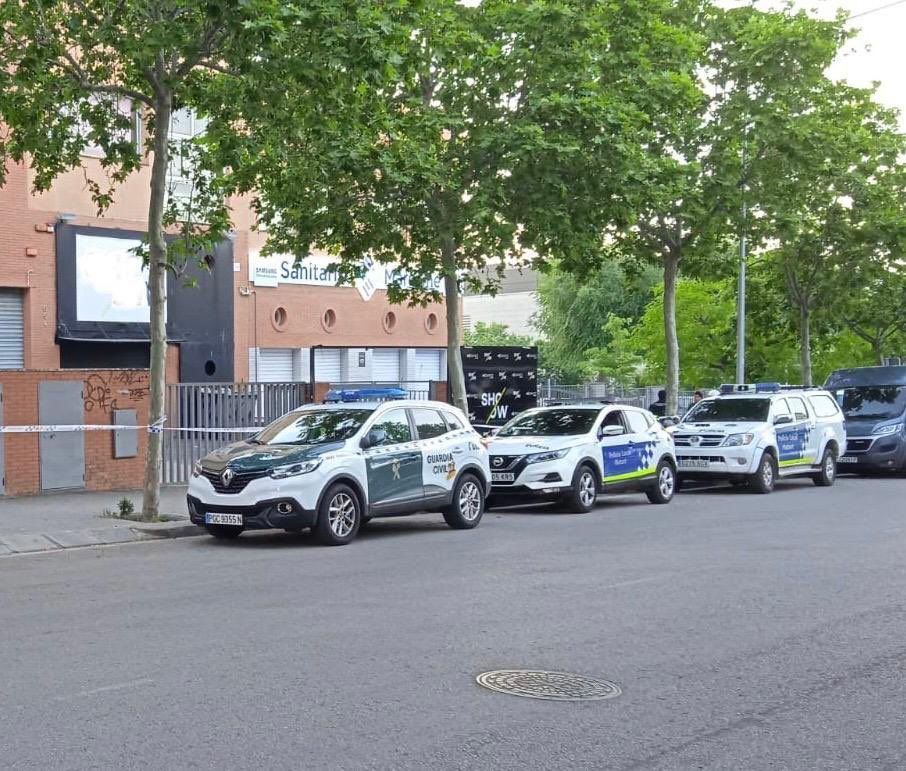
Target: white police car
(573,453)
(332,467)
(753,434)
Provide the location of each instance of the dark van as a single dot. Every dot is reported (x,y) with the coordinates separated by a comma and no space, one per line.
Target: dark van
(873,400)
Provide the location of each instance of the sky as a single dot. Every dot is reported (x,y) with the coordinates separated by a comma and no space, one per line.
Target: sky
(878,53)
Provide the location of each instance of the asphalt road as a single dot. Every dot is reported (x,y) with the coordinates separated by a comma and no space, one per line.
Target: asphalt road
(746,632)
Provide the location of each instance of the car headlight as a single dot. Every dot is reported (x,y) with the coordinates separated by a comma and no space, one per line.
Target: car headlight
(197,469)
(738,440)
(294,469)
(544,457)
(886,430)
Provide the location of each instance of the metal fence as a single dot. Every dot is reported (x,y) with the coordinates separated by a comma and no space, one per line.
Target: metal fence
(551,392)
(222,413)
(212,410)
(416,389)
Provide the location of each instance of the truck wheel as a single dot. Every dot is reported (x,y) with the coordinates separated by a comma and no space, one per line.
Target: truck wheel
(828,473)
(664,486)
(762,481)
(339,516)
(467,506)
(584,492)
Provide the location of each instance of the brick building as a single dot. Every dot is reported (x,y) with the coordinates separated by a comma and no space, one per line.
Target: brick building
(73,299)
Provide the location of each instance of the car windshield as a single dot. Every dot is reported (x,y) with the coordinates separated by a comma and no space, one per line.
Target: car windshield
(874,402)
(730,411)
(313,427)
(550,423)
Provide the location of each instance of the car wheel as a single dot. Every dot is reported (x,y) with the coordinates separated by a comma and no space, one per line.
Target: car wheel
(762,481)
(584,492)
(467,506)
(339,516)
(664,485)
(828,473)
(224,531)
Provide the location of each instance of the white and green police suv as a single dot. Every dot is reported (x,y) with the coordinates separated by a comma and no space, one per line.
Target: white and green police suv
(751,434)
(333,467)
(572,453)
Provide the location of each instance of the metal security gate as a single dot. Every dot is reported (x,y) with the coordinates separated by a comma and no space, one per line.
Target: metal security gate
(12,330)
(206,413)
(62,453)
(385,365)
(275,365)
(328,365)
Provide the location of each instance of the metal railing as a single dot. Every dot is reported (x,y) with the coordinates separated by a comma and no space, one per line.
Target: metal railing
(211,410)
(551,392)
(416,389)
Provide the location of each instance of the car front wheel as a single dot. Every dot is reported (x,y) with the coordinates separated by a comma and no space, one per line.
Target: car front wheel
(762,481)
(339,516)
(584,492)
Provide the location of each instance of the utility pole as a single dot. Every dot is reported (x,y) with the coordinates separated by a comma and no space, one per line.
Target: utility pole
(741,291)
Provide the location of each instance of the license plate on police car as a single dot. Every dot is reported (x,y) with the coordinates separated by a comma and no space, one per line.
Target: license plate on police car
(692,463)
(222,519)
(847,459)
(503,477)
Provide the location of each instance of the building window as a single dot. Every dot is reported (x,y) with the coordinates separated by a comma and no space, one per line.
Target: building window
(389,321)
(185,126)
(329,319)
(279,318)
(431,323)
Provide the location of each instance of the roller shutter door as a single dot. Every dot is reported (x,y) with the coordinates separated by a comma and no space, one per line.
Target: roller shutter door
(328,365)
(12,330)
(275,365)
(385,365)
(427,365)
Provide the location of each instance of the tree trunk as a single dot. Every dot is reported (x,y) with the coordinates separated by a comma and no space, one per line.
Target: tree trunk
(805,345)
(457,380)
(877,347)
(671,271)
(157,285)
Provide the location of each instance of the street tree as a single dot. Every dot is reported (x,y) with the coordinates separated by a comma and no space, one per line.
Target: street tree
(752,69)
(875,313)
(495,333)
(80,72)
(574,312)
(511,133)
(832,204)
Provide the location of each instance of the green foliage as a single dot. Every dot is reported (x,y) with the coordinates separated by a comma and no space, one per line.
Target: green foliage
(575,311)
(495,333)
(489,130)
(705,327)
(617,360)
(125,508)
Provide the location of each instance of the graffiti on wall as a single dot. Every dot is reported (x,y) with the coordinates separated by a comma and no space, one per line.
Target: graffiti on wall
(106,391)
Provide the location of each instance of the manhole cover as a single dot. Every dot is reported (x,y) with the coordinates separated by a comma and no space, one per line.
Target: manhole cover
(556,686)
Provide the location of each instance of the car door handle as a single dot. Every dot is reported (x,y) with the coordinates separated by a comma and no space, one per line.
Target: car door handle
(458,451)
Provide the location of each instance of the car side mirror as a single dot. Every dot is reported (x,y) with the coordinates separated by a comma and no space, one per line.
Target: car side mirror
(374,437)
(782,419)
(669,420)
(612,431)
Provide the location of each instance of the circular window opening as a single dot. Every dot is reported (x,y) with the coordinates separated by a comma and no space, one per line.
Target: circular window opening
(209,368)
(280,317)
(329,319)
(431,322)
(389,321)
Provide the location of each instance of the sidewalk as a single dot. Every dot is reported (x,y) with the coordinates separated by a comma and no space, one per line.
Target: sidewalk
(69,520)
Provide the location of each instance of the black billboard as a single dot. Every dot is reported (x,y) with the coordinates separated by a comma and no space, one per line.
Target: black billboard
(501,381)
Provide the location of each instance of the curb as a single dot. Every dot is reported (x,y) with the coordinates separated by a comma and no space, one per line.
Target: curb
(34,543)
